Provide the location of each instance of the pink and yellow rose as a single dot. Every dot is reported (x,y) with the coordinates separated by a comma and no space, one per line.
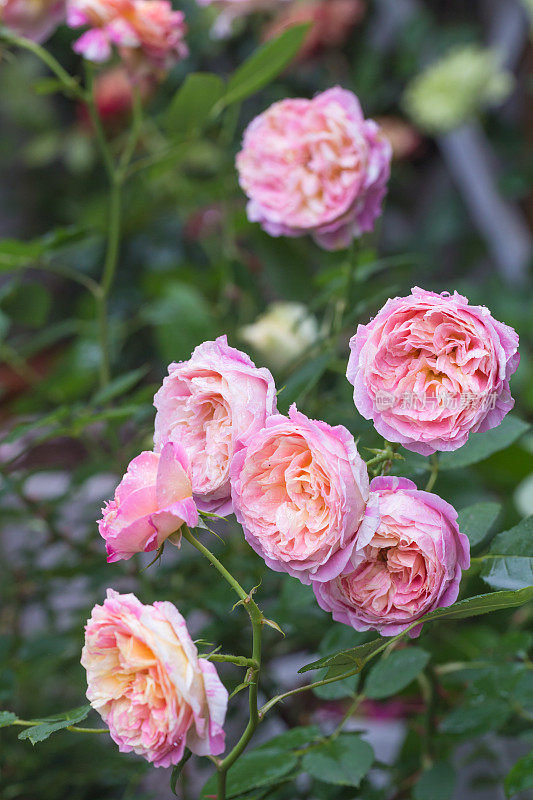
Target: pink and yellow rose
(411,565)
(147,683)
(151,503)
(212,404)
(315,167)
(430,369)
(149,34)
(299,490)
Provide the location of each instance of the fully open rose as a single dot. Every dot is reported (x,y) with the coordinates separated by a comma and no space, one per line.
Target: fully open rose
(151,503)
(299,490)
(212,403)
(149,34)
(315,166)
(147,683)
(429,369)
(411,565)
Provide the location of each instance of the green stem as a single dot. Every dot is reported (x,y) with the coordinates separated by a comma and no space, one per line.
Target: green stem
(256,618)
(352,708)
(257,622)
(235,585)
(434,461)
(69,83)
(97,123)
(25,723)
(110,266)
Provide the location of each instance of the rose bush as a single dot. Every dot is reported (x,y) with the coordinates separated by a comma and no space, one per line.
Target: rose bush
(180,264)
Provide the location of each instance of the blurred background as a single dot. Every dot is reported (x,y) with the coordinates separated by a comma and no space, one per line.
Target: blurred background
(451,84)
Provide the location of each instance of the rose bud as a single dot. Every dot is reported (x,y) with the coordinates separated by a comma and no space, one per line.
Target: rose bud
(282,334)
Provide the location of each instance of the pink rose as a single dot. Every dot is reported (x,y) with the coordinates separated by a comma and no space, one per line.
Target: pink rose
(315,166)
(429,369)
(210,404)
(152,502)
(411,565)
(148,33)
(34,19)
(147,683)
(299,490)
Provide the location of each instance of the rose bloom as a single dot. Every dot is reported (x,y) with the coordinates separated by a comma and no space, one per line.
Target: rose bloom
(148,33)
(412,564)
(331,22)
(230,10)
(283,333)
(34,19)
(299,490)
(210,404)
(429,369)
(147,683)
(315,166)
(152,502)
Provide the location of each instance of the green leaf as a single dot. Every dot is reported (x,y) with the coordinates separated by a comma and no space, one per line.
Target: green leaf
(304,379)
(15,254)
(436,783)
(482,445)
(476,718)
(516,541)
(176,772)
(356,658)
(261,767)
(119,386)
(343,761)
(508,572)
(265,65)
(192,104)
(353,659)
(7,718)
(40,732)
(520,778)
(477,520)
(392,674)
(296,737)
(481,604)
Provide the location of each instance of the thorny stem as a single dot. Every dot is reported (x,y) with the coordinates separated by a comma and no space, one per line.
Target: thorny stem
(256,618)
(117,174)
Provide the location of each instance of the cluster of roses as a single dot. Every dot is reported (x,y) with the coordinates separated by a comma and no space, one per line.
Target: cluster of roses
(378,554)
